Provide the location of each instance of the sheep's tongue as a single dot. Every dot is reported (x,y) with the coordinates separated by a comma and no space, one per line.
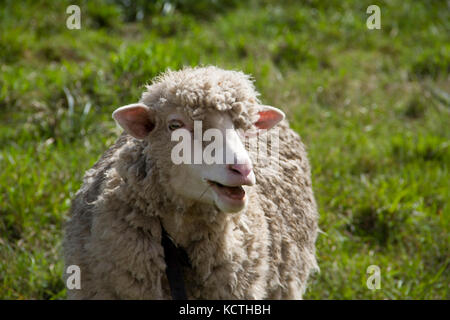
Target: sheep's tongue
(234,192)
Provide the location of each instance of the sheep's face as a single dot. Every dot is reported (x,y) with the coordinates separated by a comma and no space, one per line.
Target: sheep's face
(207,175)
(205,160)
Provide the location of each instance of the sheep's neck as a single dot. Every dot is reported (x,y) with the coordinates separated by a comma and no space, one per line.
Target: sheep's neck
(196,225)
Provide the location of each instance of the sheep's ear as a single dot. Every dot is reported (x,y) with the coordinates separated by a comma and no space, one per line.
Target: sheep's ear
(268,117)
(136,119)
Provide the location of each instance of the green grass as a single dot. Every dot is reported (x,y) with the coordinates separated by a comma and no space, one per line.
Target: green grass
(372,107)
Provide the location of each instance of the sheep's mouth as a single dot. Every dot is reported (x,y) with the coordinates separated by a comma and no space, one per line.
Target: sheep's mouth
(235,193)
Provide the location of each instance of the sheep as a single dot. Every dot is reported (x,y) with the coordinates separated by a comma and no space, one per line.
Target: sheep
(248,230)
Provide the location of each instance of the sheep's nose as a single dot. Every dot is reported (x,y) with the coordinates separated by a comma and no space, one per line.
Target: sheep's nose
(243,169)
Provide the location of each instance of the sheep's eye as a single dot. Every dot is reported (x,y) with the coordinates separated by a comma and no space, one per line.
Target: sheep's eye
(175,124)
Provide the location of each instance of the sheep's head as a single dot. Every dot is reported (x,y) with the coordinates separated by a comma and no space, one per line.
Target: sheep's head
(195,121)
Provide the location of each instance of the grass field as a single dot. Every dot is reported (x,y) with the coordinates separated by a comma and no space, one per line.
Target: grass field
(372,106)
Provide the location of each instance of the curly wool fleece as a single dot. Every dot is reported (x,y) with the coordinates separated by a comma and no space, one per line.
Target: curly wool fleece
(198,90)
(266,251)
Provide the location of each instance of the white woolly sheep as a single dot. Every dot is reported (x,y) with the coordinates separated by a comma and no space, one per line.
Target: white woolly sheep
(248,230)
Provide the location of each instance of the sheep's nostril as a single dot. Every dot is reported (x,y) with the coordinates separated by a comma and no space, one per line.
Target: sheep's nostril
(241,169)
